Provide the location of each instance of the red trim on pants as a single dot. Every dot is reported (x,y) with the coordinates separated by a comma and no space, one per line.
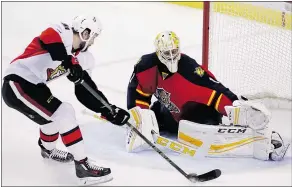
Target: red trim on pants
(32,101)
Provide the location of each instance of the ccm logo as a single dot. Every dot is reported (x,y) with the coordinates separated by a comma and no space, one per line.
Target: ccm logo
(232,130)
(175,146)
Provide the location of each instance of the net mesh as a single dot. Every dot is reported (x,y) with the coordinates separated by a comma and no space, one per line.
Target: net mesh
(250,50)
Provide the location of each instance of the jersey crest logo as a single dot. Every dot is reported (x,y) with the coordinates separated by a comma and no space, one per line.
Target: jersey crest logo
(54,73)
(164,97)
(199,71)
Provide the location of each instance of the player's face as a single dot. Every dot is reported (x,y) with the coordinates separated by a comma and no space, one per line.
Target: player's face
(85,34)
(170,54)
(88,39)
(91,40)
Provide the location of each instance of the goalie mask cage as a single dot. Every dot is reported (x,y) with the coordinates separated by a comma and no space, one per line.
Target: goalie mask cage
(248,48)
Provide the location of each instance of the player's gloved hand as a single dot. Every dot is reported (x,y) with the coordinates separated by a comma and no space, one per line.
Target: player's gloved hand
(76,71)
(76,74)
(118,117)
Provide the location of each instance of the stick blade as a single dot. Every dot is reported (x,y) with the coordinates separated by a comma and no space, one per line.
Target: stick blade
(206,176)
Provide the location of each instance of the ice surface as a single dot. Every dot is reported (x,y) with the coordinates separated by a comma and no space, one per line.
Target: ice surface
(129,31)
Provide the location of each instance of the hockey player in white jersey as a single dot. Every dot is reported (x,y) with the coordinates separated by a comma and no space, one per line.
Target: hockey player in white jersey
(60,50)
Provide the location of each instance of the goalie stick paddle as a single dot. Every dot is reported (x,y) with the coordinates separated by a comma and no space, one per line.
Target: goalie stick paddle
(193,177)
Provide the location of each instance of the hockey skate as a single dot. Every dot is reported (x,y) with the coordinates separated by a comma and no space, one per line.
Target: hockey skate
(280,147)
(89,173)
(55,154)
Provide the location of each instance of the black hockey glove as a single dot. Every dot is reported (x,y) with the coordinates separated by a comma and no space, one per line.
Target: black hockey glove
(76,71)
(120,116)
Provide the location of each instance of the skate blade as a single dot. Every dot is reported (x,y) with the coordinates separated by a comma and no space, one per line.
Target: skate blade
(95,180)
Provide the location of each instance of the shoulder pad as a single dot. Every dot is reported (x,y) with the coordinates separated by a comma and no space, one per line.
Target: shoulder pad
(146,62)
(61,27)
(66,34)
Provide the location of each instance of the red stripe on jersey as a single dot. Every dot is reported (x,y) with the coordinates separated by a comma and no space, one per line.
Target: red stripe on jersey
(49,36)
(71,136)
(49,138)
(33,49)
(142,106)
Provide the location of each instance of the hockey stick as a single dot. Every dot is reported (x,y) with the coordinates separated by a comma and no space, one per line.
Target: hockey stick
(86,112)
(193,177)
(158,139)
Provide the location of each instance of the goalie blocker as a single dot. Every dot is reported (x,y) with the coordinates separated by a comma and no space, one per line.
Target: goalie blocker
(223,141)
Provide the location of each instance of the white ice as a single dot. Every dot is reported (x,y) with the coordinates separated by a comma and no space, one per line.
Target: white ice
(129,31)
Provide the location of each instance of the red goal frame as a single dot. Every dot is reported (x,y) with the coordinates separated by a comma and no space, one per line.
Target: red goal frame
(206,22)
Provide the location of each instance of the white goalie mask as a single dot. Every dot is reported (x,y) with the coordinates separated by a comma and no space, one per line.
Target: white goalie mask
(168,49)
(92,23)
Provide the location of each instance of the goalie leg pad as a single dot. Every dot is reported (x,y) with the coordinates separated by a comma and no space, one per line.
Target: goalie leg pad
(279,147)
(145,121)
(226,141)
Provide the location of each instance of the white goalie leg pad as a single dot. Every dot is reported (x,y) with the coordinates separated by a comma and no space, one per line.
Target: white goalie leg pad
(196,135)
(224,141)
(262,149)
(272,148)
(145,121)
(248,114)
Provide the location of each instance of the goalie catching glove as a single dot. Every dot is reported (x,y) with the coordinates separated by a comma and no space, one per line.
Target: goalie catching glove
(248,114)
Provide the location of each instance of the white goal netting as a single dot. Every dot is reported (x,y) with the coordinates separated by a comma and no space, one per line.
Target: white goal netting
(250,50)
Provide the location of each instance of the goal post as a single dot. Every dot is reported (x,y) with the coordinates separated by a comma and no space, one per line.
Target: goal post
(248,48)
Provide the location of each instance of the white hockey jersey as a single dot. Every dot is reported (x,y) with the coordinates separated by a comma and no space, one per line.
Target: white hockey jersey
(36,64)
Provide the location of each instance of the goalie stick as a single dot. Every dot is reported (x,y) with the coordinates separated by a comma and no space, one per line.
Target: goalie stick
(193,177)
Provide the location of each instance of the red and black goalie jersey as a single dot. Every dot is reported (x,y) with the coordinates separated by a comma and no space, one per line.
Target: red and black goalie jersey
(191,83)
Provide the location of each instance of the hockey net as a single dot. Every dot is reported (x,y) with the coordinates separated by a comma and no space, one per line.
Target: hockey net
(248,48)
